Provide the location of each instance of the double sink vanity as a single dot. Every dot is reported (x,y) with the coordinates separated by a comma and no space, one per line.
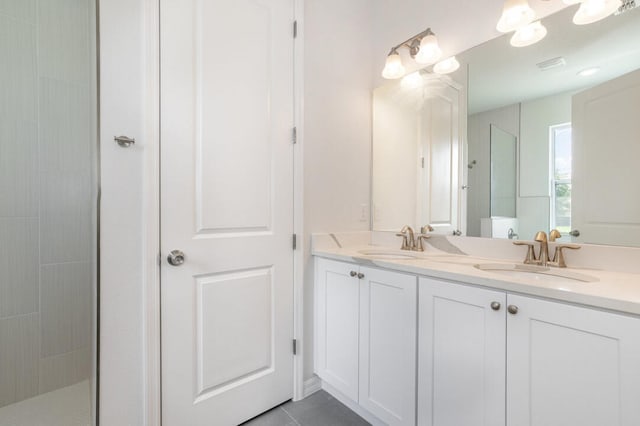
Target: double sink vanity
(467,333)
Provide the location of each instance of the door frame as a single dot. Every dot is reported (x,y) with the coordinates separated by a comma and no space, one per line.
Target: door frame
(152,379)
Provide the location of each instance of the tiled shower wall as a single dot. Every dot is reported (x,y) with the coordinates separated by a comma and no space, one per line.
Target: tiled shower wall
(47,201)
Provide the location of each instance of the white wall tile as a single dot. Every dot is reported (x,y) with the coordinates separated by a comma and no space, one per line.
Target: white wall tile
(64,137)
(18,168)
(64,370)
(18,267)
(63,41)
(24,10)
(65,217)
(65,310)
(19,340)
(18,76)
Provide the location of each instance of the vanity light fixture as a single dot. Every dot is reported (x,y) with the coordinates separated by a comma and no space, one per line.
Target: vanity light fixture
(429,51)
(447,66)
(515,14)
(412,81)
(423,48)
(393,68)
(594,10)
(529,34)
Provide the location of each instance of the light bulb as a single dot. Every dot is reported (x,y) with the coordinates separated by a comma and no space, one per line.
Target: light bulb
(393,67)
(515,14)
(446,66)
(412,81)
(594,10)
(429,51)
(529,34)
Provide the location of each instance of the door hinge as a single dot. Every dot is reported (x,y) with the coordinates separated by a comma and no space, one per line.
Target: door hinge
(295,242)
(295,29)
(295,347)
(294,135)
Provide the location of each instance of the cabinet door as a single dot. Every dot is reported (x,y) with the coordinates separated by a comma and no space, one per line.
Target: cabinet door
(569,365)
(388,303)
(336,326)
(461,364)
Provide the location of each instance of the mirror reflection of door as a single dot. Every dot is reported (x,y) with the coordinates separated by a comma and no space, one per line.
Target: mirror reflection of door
(503,173)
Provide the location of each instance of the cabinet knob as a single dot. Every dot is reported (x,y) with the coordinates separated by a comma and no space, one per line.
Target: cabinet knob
(513,309)
(495,306)
(353,273)
(361,275)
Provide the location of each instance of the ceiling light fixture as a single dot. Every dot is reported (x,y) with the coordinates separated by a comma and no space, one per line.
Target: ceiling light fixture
(515,14)
(594,10)
(447,66)
(423,48)
(529,34)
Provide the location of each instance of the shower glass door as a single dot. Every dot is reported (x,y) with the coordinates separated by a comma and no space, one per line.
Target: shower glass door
(48,212)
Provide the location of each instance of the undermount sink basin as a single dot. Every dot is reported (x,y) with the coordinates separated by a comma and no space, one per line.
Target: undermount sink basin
(541,273)
(389,254)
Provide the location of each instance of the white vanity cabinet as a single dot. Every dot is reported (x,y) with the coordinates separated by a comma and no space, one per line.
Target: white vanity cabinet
(562,364)
(366,334)
(461,365)
(568,365)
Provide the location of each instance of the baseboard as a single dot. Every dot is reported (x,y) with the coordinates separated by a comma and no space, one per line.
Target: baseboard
(353,406)
(312,386)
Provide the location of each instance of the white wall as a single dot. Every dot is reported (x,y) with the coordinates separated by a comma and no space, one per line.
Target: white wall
(395,163)
(337,128)
(122,227)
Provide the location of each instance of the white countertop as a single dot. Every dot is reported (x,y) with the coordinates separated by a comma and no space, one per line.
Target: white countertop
(613,290)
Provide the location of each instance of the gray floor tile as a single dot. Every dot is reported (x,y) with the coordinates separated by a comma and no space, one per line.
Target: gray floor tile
(321,409)
(275,417)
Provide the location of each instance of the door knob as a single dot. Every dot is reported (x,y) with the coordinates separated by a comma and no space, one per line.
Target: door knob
(175,258)
(495,306)
(361,275)
(353,273)
(513,309)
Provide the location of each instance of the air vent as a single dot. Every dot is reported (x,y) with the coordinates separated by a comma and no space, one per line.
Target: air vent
(552,63)
(627,5)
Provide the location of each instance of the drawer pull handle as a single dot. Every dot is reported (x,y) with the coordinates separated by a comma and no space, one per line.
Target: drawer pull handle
(513,309)
(495,306)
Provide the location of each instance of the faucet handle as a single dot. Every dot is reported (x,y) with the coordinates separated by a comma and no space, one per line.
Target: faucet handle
(558,256)
(531,254)
(425,229)
(554,234)
(405,240)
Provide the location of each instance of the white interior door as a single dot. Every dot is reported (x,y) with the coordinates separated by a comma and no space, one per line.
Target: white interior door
(605,205)
(439,136)
(227,204)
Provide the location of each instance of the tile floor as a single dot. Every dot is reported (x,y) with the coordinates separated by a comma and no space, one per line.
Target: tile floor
(319,409)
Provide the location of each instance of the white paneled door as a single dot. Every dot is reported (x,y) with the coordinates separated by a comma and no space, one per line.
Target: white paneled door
(227,205)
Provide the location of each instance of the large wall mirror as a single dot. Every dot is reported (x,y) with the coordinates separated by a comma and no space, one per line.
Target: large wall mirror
(567,110)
